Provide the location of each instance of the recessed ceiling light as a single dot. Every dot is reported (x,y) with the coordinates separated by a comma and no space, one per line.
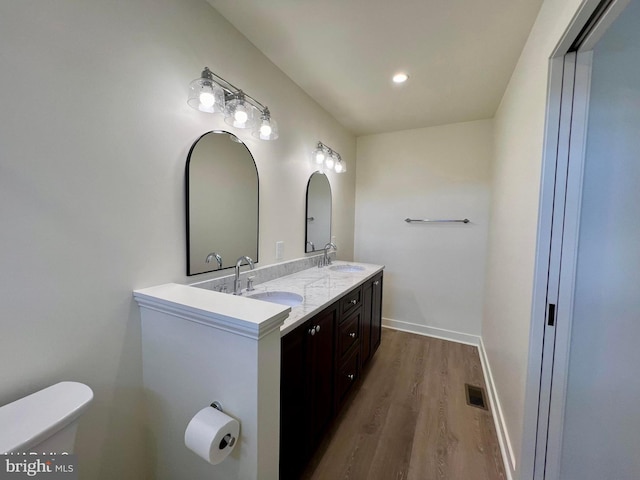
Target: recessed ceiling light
(400,77)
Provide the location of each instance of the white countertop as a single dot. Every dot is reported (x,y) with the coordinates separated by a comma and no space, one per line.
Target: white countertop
(319,287)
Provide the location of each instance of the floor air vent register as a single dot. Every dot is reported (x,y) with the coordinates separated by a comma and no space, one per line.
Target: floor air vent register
(476,396)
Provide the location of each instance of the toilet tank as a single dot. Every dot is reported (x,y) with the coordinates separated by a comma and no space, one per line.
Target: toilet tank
(45,421)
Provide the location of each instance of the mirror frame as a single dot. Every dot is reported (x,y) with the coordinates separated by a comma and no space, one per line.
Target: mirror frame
(306,212)
(187,204)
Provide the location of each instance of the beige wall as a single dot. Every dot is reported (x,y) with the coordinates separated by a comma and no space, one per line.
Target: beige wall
(519,135)
(94,135)
(434,276)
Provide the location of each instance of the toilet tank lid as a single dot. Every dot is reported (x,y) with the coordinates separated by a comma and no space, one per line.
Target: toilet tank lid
(30,420)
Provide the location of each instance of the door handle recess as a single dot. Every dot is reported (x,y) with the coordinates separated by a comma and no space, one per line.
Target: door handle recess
(551,314)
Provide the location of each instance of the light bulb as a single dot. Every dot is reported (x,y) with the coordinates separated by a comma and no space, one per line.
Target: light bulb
(329,162)
(240,115)
(319,156)
(265,130)
(400,77)
(339,167)
(207,99)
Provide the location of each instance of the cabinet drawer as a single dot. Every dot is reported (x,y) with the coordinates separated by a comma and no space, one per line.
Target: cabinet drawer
(348,375)
(350,302)
(349,334)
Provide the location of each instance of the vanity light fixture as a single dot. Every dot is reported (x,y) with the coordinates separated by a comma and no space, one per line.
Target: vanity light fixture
(213,94)
(325,157)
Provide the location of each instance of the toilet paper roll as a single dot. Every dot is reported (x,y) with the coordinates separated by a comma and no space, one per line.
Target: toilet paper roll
(212,434)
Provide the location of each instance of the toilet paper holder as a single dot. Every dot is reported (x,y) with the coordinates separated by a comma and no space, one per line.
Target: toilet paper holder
(227,439)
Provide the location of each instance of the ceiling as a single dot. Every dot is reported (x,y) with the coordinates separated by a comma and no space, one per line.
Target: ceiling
(459,54)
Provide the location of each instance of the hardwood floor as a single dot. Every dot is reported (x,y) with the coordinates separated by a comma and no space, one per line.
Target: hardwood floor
(409,418)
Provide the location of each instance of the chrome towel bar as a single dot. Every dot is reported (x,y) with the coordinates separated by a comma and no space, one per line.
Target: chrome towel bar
(426,220)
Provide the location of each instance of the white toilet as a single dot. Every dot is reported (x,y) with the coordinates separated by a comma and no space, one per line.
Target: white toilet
(45,421)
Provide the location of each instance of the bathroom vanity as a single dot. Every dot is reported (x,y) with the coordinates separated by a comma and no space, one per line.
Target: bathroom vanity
(282,363)
(321,361)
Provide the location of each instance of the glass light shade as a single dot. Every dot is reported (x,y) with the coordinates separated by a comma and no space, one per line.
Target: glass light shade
(239,113)
(319,155)
(330,161)
(205,95)
(340,166)
(267,128)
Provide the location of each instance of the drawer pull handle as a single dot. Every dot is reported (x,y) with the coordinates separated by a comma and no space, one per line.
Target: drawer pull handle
(352,334)
(312,331)
(317,328)
(354,301)
(377,282)
(351,376)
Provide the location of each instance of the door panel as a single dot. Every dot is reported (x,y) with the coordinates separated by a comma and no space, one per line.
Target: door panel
(555,256)
(601,430)
(322,374)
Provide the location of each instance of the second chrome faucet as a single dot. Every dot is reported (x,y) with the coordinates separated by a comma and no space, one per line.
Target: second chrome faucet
(325,259)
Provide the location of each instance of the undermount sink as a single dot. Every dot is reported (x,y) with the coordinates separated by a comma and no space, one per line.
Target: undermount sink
(289,299)
(347,268)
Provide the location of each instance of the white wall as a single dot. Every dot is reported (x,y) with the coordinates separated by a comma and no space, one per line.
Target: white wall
(601,424)
(519,134)
(94,135)
(434,276)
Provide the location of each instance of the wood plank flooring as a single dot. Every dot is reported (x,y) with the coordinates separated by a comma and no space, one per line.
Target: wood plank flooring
(409,418)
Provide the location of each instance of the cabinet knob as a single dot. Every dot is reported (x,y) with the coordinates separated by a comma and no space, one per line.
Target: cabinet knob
(352,334)
(354,301)
(351,376)
(317,328)
(312,331)
(376,282)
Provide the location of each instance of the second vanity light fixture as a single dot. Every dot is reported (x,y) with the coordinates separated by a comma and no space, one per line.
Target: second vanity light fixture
(213,94)
(326,157)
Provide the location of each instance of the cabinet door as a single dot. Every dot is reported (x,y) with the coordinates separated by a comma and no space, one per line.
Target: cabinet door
(294,424)
(321,378)
(365,345)
(376,313)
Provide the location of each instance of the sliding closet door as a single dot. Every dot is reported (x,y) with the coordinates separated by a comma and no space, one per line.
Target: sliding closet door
(601,432)
(567,94)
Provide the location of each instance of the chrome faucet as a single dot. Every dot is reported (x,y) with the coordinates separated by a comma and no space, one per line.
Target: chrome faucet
(218,258)
(326,260)
(237,287)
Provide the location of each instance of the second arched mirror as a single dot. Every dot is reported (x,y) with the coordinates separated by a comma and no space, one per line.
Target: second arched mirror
(318,213)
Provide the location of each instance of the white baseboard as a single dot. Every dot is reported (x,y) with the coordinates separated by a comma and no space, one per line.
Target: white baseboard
(498,418)
(506,449)
(432,331)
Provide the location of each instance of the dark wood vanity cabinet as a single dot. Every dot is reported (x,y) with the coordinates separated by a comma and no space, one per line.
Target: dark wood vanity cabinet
(321,360)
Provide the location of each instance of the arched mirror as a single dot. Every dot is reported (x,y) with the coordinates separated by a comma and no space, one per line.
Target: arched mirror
(318,219)
(222,203)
